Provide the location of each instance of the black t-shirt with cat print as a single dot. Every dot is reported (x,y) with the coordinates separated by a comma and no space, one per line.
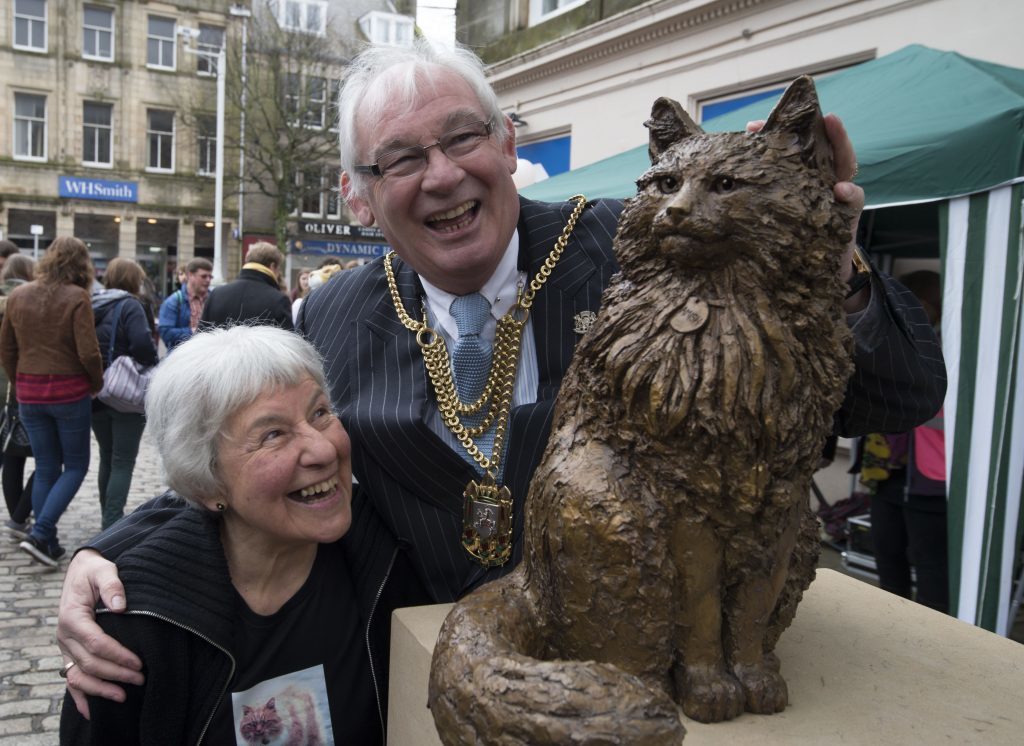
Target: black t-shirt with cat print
(303,673)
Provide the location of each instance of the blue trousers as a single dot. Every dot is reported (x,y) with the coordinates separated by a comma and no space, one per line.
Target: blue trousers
(59,434)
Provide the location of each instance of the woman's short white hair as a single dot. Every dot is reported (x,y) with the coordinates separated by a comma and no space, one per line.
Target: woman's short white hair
(367,90)
(204,381)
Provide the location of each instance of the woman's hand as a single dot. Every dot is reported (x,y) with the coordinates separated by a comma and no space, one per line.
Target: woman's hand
(99,659)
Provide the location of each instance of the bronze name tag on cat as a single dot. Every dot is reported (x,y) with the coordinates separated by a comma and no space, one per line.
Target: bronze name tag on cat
(691,317)
(487,522)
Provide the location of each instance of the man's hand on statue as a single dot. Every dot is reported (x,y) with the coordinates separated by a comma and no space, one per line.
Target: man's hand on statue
(93,659)
(845,160)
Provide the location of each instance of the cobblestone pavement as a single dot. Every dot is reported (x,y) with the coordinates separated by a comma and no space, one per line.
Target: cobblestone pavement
(31,692)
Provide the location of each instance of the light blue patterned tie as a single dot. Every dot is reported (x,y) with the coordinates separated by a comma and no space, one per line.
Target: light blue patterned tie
(471,359)
(471,356)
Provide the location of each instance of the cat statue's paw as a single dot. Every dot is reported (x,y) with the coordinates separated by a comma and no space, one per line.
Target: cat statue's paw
(766,689)
(709,694)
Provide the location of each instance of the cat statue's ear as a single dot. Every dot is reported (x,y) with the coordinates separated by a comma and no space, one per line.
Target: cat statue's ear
(798,112)
(669,123)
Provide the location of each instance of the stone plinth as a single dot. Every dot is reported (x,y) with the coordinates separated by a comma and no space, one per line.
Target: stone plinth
(863,667)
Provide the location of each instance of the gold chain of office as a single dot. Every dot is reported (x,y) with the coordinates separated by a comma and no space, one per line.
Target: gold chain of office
(496,399)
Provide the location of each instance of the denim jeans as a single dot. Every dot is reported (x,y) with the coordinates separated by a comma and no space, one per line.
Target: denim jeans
(118,435)
(59,434)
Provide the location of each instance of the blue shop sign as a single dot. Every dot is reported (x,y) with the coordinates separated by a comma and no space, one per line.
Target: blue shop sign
(338,248)
(100,189)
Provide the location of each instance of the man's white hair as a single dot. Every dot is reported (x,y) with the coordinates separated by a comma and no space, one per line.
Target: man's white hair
(383,76)
(199,386)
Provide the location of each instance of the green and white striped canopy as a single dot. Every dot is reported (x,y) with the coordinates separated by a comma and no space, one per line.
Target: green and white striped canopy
(982,271)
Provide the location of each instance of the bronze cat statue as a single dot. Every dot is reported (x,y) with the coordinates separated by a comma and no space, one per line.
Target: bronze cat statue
(668,533)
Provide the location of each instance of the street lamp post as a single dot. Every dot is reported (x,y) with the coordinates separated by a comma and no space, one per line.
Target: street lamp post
(218,189)
(240,11)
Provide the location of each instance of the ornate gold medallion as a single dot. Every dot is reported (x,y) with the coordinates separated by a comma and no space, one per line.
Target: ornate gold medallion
(487,508)
(487,522)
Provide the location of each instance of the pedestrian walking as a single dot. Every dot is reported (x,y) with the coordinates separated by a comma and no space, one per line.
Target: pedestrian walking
(254,297)
(121,329)
(181,310)
(49,350)
(18,269)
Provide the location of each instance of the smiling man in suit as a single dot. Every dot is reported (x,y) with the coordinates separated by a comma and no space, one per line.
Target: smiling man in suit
(428,155)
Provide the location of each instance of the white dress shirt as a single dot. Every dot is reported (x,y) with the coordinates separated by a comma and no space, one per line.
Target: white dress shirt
(501,290)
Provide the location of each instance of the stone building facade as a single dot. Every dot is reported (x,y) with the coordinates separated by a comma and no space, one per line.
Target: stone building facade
(95,145)
(581,75)
(103,141)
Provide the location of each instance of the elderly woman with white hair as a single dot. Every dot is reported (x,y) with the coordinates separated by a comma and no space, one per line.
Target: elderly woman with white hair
(242,607)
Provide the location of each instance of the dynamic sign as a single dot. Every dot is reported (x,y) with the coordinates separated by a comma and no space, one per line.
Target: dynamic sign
(338,248)
(99,189)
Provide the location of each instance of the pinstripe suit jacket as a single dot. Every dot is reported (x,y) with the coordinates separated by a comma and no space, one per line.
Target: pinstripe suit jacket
(380,386)
(415,481)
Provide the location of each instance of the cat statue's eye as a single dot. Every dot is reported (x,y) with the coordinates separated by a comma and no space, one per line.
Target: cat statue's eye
(723,184)
(668,184)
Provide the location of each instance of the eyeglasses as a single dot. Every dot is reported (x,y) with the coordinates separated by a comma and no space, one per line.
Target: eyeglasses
(457,143)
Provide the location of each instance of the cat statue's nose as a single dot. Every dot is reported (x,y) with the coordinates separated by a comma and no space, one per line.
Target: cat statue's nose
(681,203)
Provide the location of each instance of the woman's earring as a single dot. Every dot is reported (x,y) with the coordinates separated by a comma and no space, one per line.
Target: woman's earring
(221,507)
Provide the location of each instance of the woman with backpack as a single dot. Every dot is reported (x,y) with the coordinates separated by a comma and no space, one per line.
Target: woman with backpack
(122,328)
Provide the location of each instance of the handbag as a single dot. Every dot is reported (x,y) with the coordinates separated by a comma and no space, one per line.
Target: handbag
(13,436)
(125,381)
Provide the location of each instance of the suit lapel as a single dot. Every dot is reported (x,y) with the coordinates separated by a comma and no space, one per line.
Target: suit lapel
(554,308)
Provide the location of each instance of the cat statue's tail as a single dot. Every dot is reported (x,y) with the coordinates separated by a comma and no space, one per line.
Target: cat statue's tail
(488,684)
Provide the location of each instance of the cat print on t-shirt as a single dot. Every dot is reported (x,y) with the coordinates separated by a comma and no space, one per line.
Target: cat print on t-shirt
(289,710)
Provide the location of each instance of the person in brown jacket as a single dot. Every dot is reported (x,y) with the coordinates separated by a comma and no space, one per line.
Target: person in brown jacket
(49,350)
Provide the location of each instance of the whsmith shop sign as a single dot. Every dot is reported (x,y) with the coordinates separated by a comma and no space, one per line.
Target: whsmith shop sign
(99,189)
